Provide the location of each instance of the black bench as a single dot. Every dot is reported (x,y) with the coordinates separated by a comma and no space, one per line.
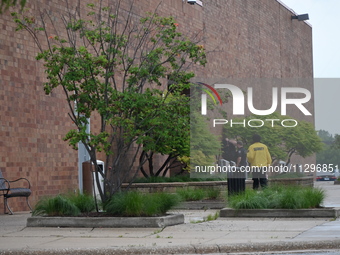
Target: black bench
(8,191)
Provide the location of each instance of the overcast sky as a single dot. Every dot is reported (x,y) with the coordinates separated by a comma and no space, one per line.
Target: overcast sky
(324,18)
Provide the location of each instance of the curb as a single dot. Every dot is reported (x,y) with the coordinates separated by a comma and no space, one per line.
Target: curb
(106,222)
(281,213)
(199,205)
(190,249)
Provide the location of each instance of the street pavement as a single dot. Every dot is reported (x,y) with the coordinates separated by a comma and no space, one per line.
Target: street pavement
(196,236)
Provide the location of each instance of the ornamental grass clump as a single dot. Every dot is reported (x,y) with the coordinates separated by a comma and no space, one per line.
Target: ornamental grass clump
(212,193)
(56,206)
(165,201)
(290,199)
(72,204)
(84,202)
(191,194)
(249,199)
(278,197)
(138,204)
(313,197)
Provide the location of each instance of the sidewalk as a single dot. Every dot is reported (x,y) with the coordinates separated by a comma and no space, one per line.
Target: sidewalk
(221,235)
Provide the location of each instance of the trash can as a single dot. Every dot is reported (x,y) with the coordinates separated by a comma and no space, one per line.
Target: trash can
(89,183)
(236,181)
(235,177)
(87,178)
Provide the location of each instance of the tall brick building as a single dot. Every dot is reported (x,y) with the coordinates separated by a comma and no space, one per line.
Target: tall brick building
(243,38)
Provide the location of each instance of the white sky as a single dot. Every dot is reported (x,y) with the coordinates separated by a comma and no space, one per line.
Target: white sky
(324,18)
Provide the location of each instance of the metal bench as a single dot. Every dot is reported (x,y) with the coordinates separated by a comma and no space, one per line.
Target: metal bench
(8,191)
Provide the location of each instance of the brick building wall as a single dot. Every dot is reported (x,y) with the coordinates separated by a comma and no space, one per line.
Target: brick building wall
(32,124)
(243,38)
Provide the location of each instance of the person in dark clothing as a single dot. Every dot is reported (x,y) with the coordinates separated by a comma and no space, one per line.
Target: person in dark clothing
(229,150)
(241,155)
(236,179)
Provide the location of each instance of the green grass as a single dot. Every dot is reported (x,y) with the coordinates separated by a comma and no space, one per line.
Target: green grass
(191,194)
(138,204)
(56,206)
(278,197)
(210,217)
(195,194)
(315,197)
(71,204)
(121,204)
(212,193)
(84,202)
(247,200)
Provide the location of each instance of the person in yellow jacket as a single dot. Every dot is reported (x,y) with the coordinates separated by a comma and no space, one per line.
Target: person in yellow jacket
(259,159)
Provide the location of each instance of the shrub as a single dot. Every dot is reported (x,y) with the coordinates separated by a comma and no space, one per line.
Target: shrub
(56,206)
(313,197)
(129,204)
(84,202)
(212,193)
(65,205)
(191,194)
(159,203)
(278,197)
(122,204)
(290,199)
(248,200)
(137,204)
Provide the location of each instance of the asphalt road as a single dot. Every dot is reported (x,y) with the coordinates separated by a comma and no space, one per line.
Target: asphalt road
(327,252)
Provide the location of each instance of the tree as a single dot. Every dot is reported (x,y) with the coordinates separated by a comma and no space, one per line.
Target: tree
(330,153)
(336,142)
(204,145)
(113,65)
(170,136)
(5,4)
(325,136)
(282,141)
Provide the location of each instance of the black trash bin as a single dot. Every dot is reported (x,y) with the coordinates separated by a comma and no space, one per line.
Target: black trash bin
(236,181)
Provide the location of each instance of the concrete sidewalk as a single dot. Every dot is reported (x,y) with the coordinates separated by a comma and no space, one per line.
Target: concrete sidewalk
(194,237)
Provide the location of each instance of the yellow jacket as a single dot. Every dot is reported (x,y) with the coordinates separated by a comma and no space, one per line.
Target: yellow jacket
(258,155)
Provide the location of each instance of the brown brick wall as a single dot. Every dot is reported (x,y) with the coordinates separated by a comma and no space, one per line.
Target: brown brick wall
(243,38)
(32,124)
